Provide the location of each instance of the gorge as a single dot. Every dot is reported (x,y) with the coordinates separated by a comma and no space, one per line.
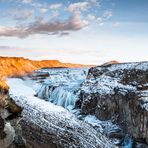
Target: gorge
(101,107)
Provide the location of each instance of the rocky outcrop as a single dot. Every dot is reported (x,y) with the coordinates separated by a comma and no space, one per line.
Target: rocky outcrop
(10,129)
(118,92)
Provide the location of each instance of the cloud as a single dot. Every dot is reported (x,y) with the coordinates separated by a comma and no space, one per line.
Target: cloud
(107,15)
(43,10)
(79,6)
(56,18)
(63,34)
(83,6)
(116,24)
(23,14)
(55,6)
(74,23)
(91,17)
(10,48)
(27,1)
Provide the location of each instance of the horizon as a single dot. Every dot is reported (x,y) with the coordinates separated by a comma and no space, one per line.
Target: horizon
(81,31)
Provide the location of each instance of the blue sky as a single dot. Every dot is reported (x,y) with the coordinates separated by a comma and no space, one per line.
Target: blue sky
(78,31)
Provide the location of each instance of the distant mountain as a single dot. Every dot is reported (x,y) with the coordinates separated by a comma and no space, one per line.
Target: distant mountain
(110,62)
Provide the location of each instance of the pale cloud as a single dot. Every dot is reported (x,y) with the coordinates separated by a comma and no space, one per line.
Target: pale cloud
(43,10)
(55,6)
(23,14)
(74,23)
(27,1)
(91,17)
(116,24)
(107,15)
(80,6)
(10,48)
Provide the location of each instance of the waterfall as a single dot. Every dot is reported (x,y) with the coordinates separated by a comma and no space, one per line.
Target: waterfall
(60,87)
(62,97)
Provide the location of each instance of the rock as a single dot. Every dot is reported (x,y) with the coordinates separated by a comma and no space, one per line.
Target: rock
(8,126)
(2,126)
(118,92)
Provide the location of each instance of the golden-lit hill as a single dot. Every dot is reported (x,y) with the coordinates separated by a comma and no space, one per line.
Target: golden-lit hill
(18,66)
(13,66)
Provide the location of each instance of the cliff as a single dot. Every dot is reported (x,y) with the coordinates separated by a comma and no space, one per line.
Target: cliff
(118,92)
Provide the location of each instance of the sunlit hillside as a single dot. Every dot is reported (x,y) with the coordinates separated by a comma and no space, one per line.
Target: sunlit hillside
(13,66)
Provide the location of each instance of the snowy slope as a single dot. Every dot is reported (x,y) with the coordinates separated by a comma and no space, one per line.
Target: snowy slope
(58,126)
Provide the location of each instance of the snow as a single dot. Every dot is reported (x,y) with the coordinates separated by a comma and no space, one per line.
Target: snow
(20,92)
(104,85)
(144,103)
(106,127)
(137,65)
(52,118)
(18,87)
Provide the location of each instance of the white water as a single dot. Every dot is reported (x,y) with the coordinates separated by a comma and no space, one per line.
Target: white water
(61,86)
(57,95)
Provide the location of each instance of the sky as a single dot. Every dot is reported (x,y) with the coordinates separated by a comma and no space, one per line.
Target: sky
(76,31)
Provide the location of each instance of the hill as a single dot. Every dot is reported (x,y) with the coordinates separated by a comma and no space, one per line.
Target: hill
(17,66)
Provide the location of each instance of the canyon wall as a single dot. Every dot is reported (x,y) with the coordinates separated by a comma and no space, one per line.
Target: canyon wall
(10,129)
(118,92)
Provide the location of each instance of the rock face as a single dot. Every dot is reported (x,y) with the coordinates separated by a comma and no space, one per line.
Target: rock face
(9,125)
(46,125)
(118,92)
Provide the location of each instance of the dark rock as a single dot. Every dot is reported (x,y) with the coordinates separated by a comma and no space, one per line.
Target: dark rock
(118,92)
(9,124)
(2,125)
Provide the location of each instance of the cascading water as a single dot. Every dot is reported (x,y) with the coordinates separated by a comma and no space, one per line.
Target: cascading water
(57,95)
(60,86)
